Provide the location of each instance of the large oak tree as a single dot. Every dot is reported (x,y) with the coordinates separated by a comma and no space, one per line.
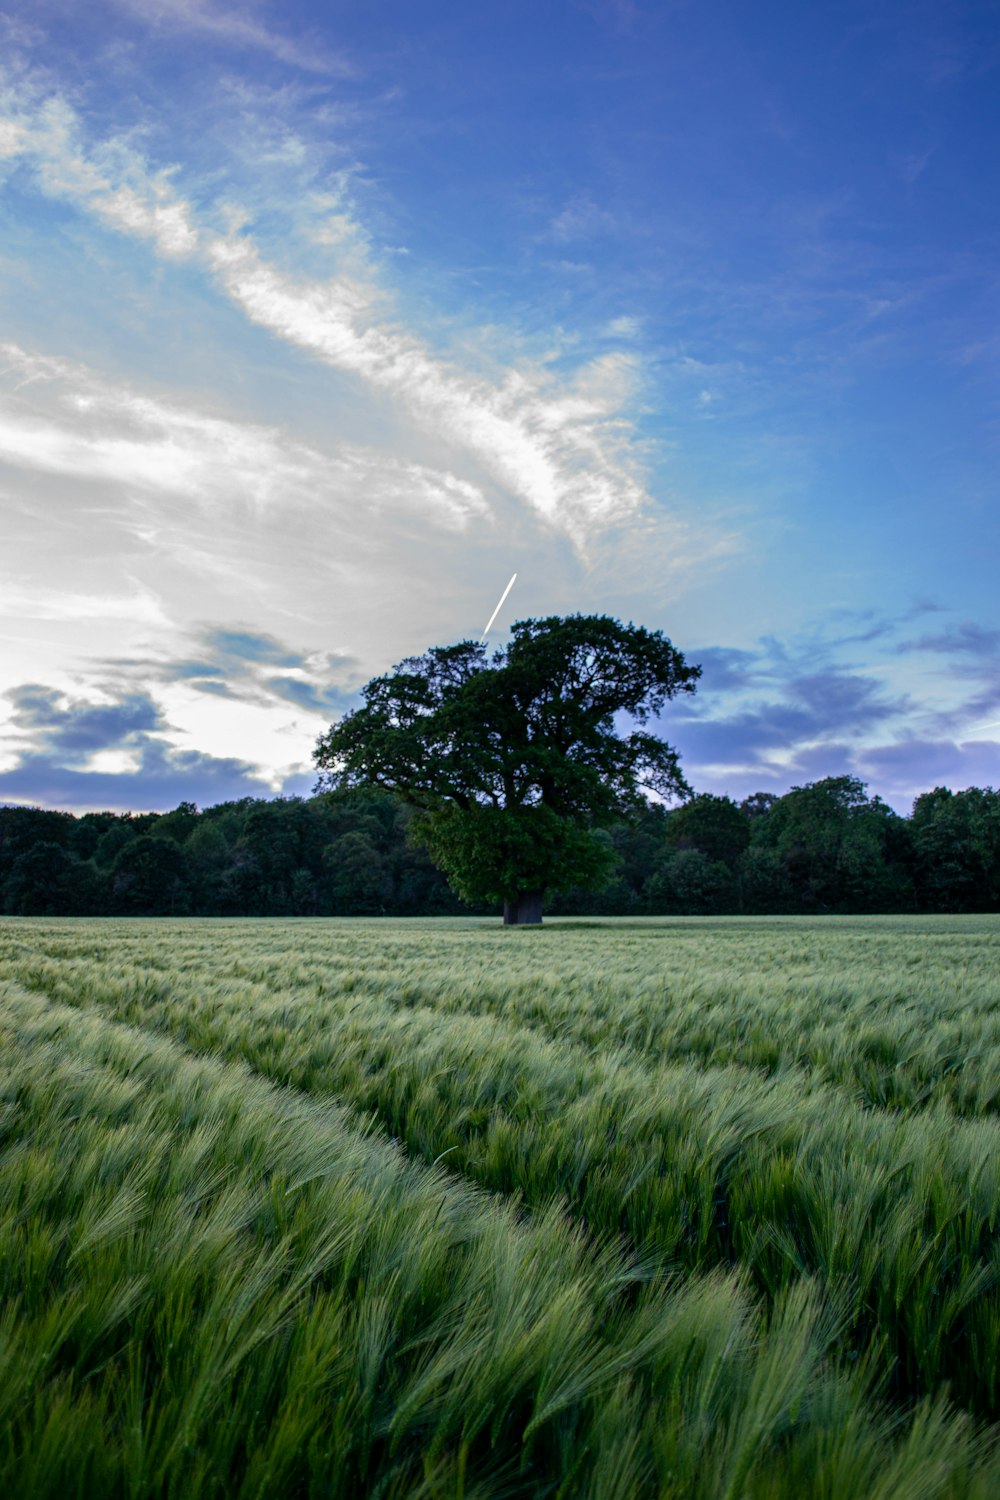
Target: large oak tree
(514,762)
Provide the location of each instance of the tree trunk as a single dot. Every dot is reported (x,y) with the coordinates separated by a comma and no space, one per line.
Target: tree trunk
(526,907)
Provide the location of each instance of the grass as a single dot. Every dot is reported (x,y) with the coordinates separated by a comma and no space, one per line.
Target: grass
(665,1208)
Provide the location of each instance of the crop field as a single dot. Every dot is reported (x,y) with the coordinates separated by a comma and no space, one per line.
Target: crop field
(685,1209)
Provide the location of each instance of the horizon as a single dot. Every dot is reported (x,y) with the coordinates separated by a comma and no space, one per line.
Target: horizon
(156,812)
(323,322)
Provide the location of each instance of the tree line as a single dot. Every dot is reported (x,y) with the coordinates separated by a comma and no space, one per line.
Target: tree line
(826,847)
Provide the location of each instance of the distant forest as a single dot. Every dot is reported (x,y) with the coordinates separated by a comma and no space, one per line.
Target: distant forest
(824,847)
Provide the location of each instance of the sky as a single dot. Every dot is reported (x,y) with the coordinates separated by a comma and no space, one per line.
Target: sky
(319,321)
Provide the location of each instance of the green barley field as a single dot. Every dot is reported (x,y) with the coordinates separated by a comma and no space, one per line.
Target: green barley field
(686,1209)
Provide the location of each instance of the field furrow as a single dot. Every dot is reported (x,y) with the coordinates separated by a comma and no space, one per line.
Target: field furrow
(893,1214)
(215,1286)
(899,1024)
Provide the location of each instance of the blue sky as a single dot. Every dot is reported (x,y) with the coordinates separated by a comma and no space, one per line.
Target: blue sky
(318,322)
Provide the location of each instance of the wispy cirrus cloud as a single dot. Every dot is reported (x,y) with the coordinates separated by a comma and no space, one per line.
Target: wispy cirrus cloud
(964,638)
(558,442)
(240,28)
(110,179)
(64,419)
(139,605)
(560,445)
(580,219)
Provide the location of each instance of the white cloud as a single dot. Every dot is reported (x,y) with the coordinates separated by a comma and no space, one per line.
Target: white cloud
(112,181)
(626,327)
(238,28)
(581,219)
(560,444)
(113,763)
(140,606)
(11,139)
(384,549)
(255,731)
(63,419)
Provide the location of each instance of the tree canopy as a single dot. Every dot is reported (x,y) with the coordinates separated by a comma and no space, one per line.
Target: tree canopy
(823,847)
(514,762)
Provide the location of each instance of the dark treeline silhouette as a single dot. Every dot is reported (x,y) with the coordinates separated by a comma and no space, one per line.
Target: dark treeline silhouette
(824,847)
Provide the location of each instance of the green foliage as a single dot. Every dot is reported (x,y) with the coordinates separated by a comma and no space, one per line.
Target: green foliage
(487,852)
(689,883)
(23,827)
(359,881)
(511,761)
(113,840)
(283,857)
(765,881)
(179,824)
(41,880)
(839,850)
(710,1263)
(715,826)
(956,837)
(825,847)
(149,876)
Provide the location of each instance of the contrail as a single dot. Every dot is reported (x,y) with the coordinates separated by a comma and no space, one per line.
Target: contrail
(493,616)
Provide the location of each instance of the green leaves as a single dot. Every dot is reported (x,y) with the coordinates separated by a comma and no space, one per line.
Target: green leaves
(514,760)
(488,852)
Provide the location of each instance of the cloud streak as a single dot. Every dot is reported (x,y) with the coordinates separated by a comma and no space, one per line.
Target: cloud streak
(559,443)
(141,605)
(248,666)
(111,180)
(63,419)
(559,446)
(237,28)
(964,639)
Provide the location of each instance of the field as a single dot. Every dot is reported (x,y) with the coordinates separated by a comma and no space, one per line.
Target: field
(691,1209)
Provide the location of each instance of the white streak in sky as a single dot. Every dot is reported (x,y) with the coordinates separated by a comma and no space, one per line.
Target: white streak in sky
(499,607)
